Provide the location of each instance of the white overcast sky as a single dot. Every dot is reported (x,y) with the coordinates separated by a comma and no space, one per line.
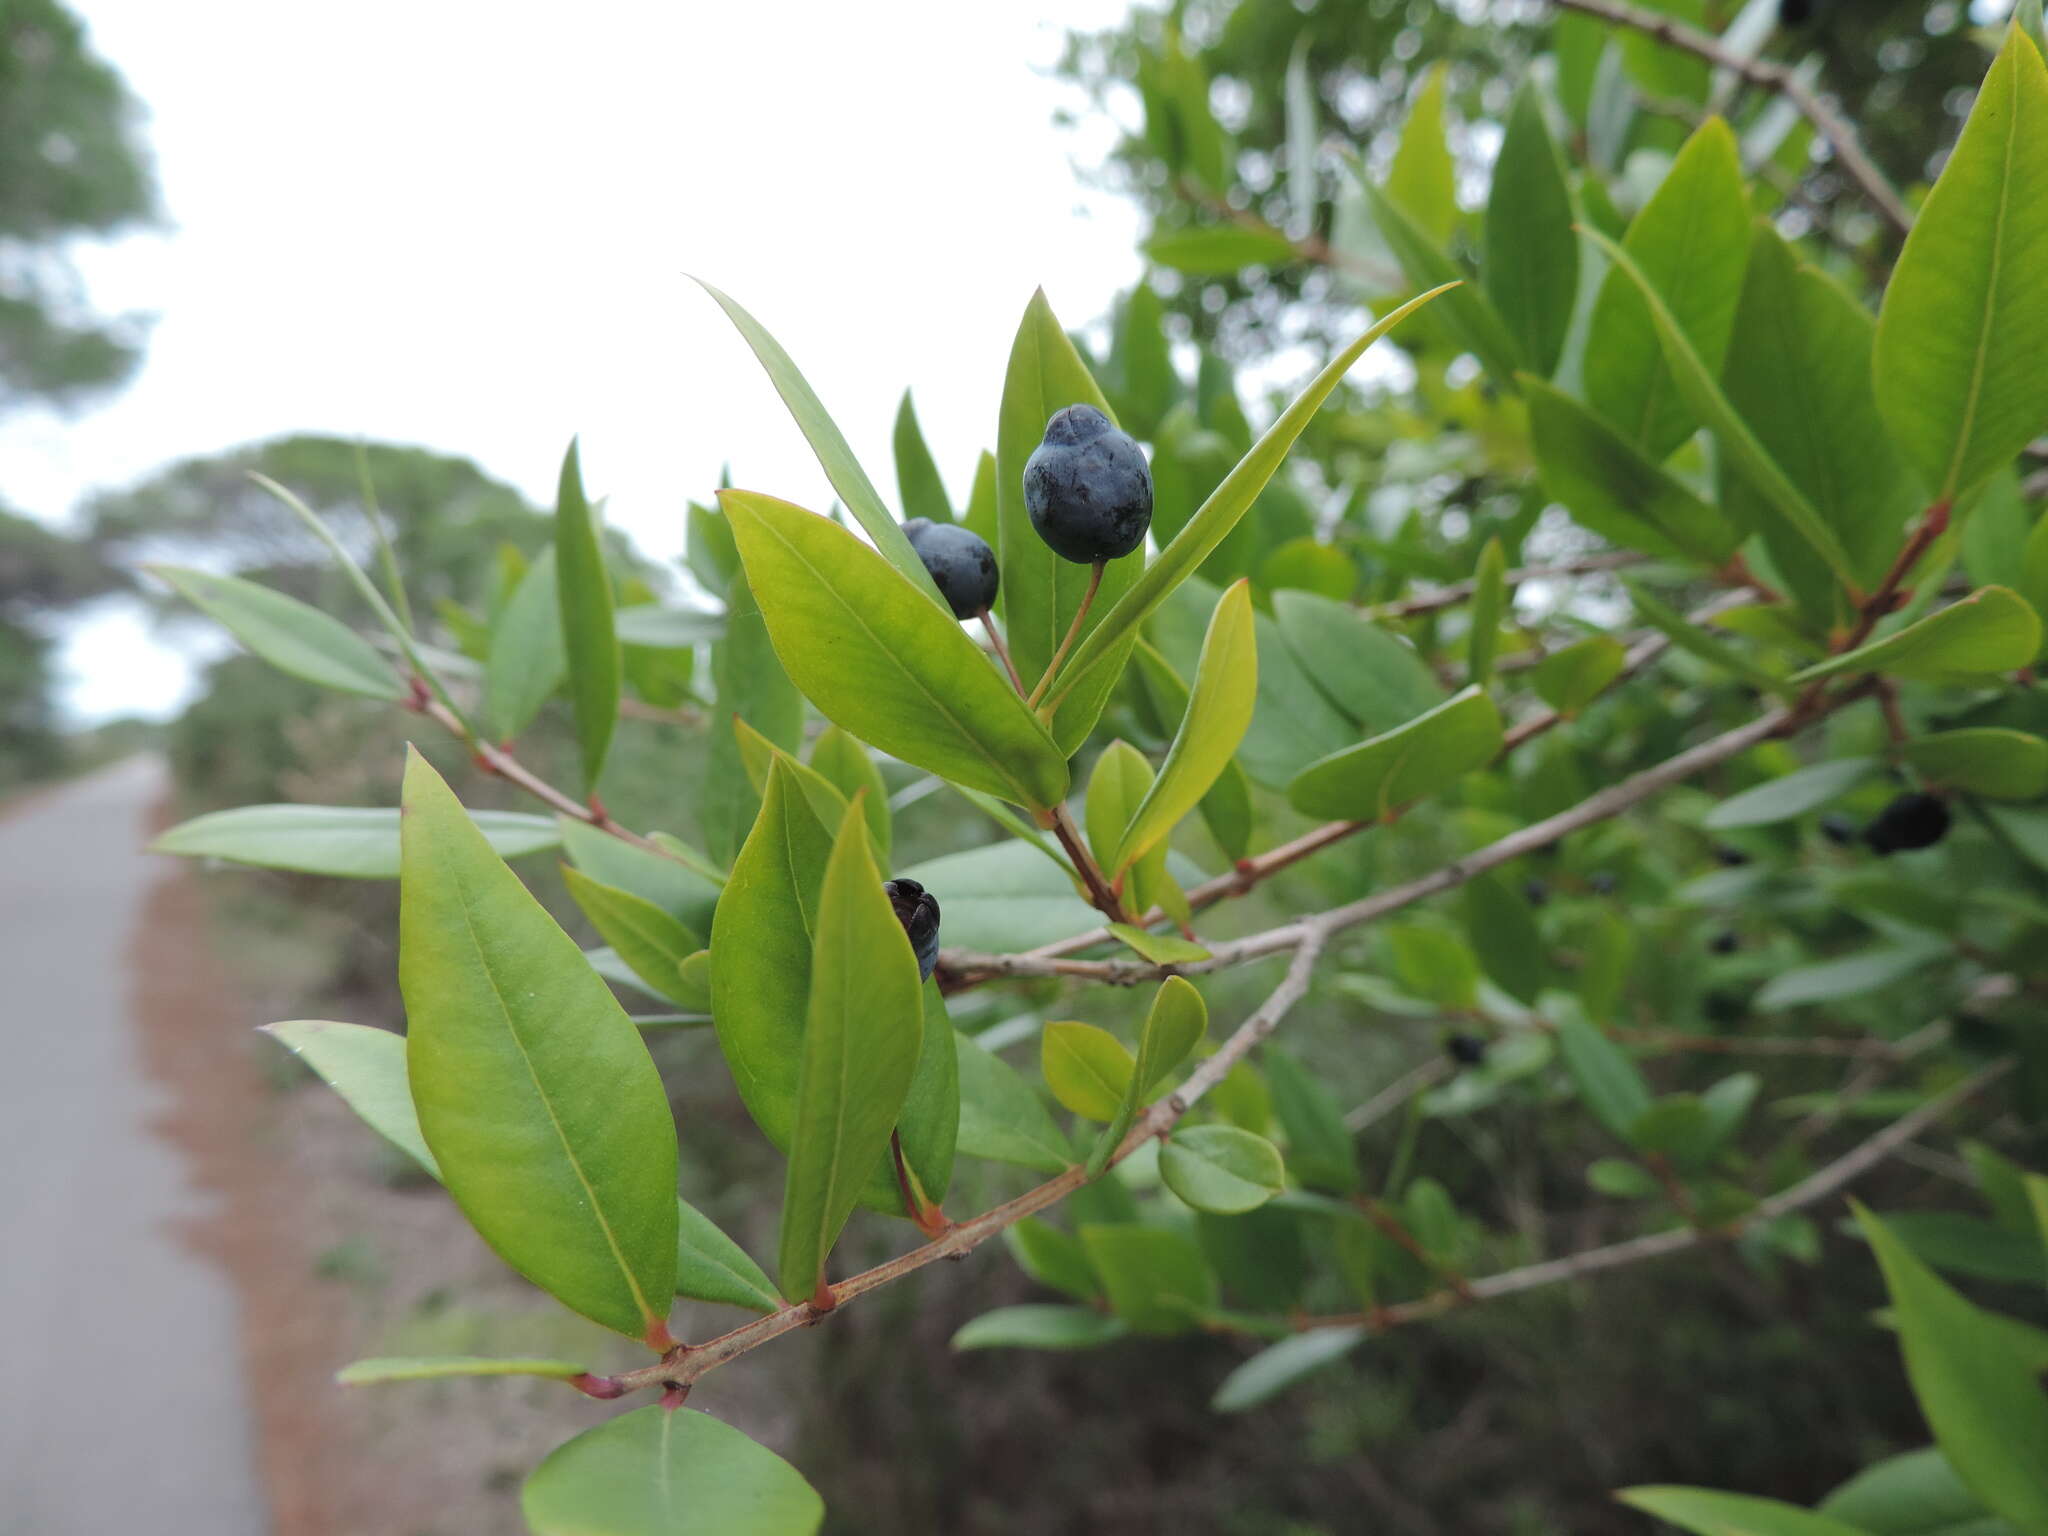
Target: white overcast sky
(468,227)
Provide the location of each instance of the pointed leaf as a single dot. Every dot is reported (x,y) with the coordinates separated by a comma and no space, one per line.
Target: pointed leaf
(1088,1069)
(438,1367)
(292,636)
(1002,1117)
(922,492)
(1706,1513)
(1423,180)
(834,456)
(1695,640)
(1378,777)
(651,942)
(2000,764)
(1157,1281)
(1106,644)
(1319,1149)
(1964,326)
(1276,1368)
(862,1031)
(896,673)
(534,1090)
(1776,800)
(752,685)
(1220,249)
(526,662)
(1691,244)
(1609,1085)
(1468,314)
(673,880)
(589,642)
(350,842)
(1053,1258)
(1570,679)
(1375,677)
(1532,253)
(845,763)
(1991,630)
(1489,603)
(668,1472)
(1040,1325)
(712,1267)
(366,1067)
(1174,1026)
(1218,714)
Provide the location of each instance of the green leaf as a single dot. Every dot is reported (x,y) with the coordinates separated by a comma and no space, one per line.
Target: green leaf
(1531,267)
(1969,1245)
(1218,714)
(1689,246)
(1608,1083)
(1964,325)
(1703,397)
(922,491)
(1489,603)
(526,662)
(1088,1069)
(1914,1494)
(1160,948)
(899,674)
(1040,1325)
(1055,1259)
(1468,314)
(1105,645)
(1221,1169)
(292,636)
(1851,976)
(1502,929)
(651,942)
(1002,1117)
(362,1373)
(589,643)
(1798,373)
(712,1267)
(841,468)
(1986,1407)
(1375,677)
(1612,487)
(2001,764)
(1003,896)
(1706,1513)
(1319,1149)
(1699,642)
(1623,1180)
(1991,630)
(367,1068)
(752,686)
(668,1472)
(1174,1026)
(1376,778)
(1220,250)
(862,1032)
(675,881)
(351,842)
(1570,679)
(534,1090)
(656,627)
(846,765)
(1279,1366)
(1119,784)
(1308,564)
(1782,799)
(1157,1281)
(1423,180)
(1041,593)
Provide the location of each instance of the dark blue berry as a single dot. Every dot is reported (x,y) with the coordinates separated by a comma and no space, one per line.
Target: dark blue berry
(962,565)
(1734,858)
(1466,1050)
(918,911)
(1724,943)
(1913,820)
(1536,893)
(1088,488)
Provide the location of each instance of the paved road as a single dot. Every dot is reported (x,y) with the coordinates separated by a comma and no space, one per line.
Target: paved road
(123,1407)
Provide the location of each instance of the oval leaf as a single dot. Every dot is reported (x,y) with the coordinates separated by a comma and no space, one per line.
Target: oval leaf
(862,1031)
(526,662)
(1807,789)
(366,1067)
(1040,1325)
(1221,1169)
(2000,764)
(652,943)
(1378,777)
(1570,679)
(1273,1370)
(589,643)
(1002,1117)
(893,671)
(435,1367)
(712,1267)
(1531,266)
(668,1472)
(1706,1513)
(1991,630)
(1087,1069)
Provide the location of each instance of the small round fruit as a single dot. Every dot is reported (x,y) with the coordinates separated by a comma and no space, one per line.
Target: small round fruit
(918,911)
(1914,820)
(1725,943)
(1733,858)
(1536,893)
(1088,488)
(1466,1050)
(962,565)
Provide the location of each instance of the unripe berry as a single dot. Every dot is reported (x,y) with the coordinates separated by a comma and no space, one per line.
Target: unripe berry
(918,911)
(963,567)
(1088,488)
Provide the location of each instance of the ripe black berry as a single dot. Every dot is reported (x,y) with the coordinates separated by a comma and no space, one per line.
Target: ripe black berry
(1839,830)
(1734,858)
(918,911)
(1088,488)
(1466,1050)
(1724,943)
(961,563)
(1911,821)
(1535,892)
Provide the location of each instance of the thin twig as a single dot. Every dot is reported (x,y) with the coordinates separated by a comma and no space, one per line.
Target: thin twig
(1829,123)
(1458,591)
